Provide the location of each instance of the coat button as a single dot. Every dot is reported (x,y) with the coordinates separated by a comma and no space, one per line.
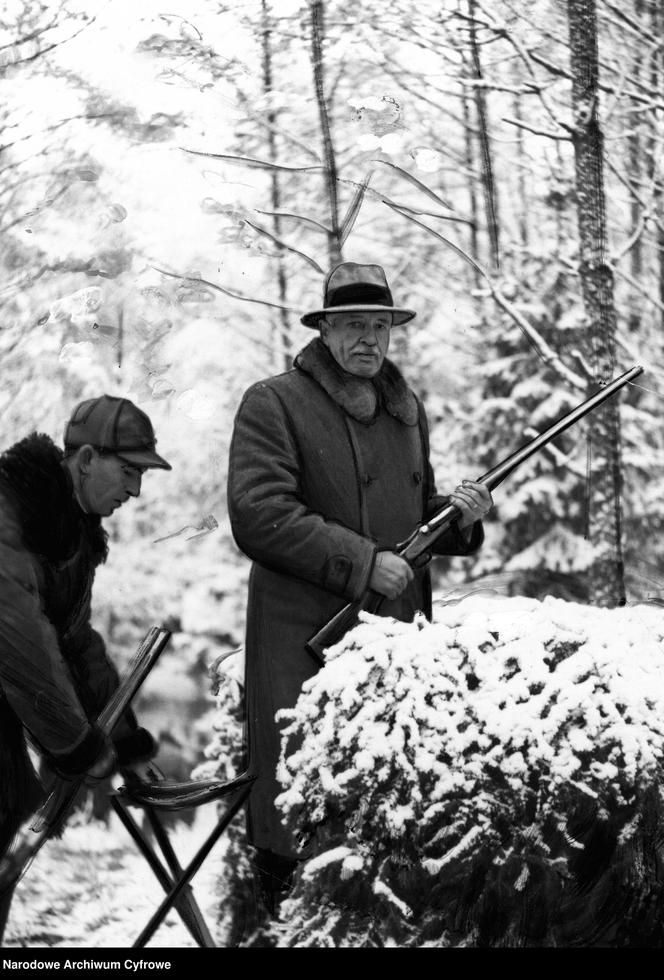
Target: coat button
(417,478)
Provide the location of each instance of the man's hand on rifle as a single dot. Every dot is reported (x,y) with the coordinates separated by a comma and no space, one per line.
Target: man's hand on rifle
(391,575)
(473,500)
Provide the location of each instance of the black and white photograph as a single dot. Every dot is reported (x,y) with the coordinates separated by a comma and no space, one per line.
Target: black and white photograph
(331,477)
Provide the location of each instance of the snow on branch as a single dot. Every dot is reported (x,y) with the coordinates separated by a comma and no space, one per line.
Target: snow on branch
(549,133)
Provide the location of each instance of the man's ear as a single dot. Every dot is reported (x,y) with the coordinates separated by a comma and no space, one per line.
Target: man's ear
(84,457)
(324,326)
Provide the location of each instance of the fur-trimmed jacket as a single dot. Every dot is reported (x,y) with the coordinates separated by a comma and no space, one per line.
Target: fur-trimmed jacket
(54,674)
(325,470)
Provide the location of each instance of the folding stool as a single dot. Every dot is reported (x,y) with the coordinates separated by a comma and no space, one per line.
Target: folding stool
(172,796)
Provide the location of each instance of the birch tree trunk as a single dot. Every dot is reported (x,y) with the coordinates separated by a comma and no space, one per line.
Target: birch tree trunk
(606,584)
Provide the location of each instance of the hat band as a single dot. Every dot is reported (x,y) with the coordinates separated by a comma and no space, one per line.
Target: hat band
(358,293)
(150,447)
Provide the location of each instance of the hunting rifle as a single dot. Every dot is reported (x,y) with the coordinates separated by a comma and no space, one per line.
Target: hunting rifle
(416,549)
(64,792)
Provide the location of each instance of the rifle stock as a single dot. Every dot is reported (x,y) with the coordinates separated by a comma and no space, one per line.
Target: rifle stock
(339,625)
(417,546)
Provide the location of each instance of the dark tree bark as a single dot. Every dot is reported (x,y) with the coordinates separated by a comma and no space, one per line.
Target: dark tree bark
(282,326)
(656,76)
(635,169)
(317,35)
(606,573)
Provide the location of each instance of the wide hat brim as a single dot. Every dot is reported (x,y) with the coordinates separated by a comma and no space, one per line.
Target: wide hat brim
(145,457)
(400,315)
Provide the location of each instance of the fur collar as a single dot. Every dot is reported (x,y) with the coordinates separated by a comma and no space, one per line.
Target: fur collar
(359,397)
(40,488)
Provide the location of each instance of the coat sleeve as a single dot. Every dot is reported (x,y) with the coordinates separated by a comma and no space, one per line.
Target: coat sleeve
(271,521)
(33,675)
(453,541)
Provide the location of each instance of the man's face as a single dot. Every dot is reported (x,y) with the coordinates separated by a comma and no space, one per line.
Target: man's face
(357,341)
(109,482)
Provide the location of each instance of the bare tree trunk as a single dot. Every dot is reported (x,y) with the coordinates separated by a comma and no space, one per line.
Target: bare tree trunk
(635,169)
(559,205)
(471,170)
(521,205)
(282,327)
(606,585)
(636,251)
(488,184)
(317,34)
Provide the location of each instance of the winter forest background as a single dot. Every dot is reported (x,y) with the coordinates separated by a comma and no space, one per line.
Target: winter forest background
(177,180)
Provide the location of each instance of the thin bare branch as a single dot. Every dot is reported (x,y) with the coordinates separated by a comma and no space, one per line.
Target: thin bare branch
(4,62)
(634,25)
(520,124)
(234,158)
(222,289)
(354,209)
(63,122)
(416,182)
(300,218)
(284,245)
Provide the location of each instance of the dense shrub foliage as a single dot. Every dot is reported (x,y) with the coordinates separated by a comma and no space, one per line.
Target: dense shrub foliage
(488,779)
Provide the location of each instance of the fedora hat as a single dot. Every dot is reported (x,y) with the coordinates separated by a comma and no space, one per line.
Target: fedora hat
(351,287)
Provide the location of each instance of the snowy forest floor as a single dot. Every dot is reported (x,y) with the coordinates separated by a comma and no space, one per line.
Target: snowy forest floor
(92,889)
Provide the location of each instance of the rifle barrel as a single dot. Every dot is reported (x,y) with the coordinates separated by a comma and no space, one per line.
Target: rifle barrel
(495,476)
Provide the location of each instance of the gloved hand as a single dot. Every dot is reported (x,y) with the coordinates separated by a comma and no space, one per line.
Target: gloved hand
(104,765)
(145,772)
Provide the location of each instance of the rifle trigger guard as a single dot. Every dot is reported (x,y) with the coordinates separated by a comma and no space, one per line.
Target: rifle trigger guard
(422,560)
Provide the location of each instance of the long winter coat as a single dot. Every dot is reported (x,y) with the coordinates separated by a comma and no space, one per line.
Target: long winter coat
(54,674)
(319,481)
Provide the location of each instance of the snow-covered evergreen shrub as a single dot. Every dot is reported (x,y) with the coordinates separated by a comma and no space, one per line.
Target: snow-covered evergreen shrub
(237,912)
(487,779)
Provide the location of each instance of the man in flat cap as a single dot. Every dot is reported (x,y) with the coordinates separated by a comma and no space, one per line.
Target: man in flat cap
(329,470)
(55,677)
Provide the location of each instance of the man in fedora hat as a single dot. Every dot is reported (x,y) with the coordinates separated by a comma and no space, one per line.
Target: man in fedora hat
(55,677)
(329,470)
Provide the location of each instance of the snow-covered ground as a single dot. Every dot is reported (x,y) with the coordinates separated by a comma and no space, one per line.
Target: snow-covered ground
(92,889)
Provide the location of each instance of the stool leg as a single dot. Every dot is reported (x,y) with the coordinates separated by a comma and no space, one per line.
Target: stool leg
(192,868)
(176,871)
(189,916)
